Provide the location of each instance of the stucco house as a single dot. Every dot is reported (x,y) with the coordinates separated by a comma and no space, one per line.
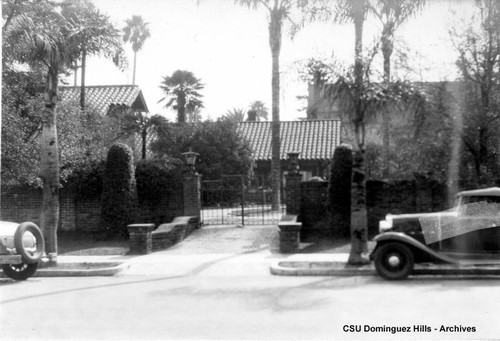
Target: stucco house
(314,140)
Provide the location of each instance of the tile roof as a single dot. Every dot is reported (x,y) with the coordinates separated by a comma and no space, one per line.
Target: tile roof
(314,139)
(102,96)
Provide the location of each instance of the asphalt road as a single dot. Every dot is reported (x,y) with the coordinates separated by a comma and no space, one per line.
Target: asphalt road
(233,296)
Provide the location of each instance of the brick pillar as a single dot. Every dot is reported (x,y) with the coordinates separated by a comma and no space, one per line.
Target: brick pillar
(292,190)
(192,194)
(289,236)
(140,238)
(293,193)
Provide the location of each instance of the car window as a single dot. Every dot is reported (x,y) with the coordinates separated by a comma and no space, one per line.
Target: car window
(480,206)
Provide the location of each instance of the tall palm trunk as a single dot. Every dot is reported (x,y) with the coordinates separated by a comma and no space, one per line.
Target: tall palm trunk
(181,108)
(387,48)
(275,44)
(135,64)
(82,86)
(49,167)
(359,234)
(144,134)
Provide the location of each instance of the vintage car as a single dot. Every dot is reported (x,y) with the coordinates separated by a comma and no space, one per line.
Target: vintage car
(468,234)
(21,249)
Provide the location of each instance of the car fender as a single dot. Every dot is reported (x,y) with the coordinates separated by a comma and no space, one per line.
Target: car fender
(404,238)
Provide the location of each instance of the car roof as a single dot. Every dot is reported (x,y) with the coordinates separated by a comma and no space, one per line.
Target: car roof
(492,191)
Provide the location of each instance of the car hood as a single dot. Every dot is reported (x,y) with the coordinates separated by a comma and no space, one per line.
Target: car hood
(413,216)
(8,228)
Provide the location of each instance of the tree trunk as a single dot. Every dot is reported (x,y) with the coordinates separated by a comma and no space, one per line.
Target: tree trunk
(387,48)
(144,138)
(135,60)
(49,168)
(359,233)
(275,44)
(181,109)
(82,88)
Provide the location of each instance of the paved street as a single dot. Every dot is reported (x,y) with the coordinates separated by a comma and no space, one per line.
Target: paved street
(182,294)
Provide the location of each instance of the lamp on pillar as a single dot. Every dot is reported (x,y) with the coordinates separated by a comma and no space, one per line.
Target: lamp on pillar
(293,163)
(190,157)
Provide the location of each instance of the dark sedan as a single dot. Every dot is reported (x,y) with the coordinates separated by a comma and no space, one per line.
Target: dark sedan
(468,234)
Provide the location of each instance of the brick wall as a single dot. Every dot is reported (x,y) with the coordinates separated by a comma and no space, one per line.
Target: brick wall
(82,213)
(407,196)
(21,204)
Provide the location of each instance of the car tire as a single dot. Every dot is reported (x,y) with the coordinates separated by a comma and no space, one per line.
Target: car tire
(19,272)
(29,256)
(394,261)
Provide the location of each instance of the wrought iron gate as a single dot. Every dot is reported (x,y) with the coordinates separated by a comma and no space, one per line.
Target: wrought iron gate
(229,202)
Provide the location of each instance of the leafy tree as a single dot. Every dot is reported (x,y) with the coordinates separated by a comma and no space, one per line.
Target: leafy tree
(194,115)
(82,138)
(182,92)
(391,14)
(96,36)
(222,149)
(235,114)
(478,47)
(260,108)
(136,32)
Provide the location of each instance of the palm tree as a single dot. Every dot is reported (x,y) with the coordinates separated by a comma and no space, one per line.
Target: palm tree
(136,32)
(278,11)
(182,91)
(260,108)
(97,36)
(46,39)
(236,114)
(391,14)
(141,123)
(352,97)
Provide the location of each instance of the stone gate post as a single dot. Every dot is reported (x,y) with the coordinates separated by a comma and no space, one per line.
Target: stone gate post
(292,189)
(192,194)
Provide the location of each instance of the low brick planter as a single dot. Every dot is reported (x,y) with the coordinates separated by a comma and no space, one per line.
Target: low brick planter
(172,233)
(140,238)
(289,233)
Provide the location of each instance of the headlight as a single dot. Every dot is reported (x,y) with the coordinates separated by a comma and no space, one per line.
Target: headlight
(385,225)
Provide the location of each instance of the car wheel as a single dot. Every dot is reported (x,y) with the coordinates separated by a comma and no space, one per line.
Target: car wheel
(394,261)
(33,253)
(20,272)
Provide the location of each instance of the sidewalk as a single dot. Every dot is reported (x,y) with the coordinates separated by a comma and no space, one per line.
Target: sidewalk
(235,251)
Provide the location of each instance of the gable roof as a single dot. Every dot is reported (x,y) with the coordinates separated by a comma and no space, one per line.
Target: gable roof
(314,140)
(103,96)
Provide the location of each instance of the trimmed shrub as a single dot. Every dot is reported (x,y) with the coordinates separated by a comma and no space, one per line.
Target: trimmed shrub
(87,180)
(156,178)
(119,191)
(339,191)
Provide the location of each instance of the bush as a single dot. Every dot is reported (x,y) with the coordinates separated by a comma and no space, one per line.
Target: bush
(119,191)
(87,180)
(339,191)
(156,178)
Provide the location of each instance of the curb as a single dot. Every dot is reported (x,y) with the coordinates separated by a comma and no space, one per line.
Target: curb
(81,269)
(339,268)
(298,268)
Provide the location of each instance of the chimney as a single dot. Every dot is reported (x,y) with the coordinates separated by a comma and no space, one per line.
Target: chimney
(252,116)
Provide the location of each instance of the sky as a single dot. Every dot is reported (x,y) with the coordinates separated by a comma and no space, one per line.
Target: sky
(226,46)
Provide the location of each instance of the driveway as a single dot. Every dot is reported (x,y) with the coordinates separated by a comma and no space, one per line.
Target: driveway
(228,239)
